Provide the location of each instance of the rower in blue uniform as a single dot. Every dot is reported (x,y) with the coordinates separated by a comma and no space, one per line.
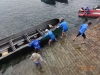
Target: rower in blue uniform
(64,26)
(51,35)
(35,43)
(82,30)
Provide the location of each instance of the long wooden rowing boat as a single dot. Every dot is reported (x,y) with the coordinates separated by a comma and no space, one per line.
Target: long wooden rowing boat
(15,45)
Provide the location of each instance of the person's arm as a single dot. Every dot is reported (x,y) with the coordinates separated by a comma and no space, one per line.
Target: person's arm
(31,57)
(30,44)
(59,26)
(81,26)
(45,35)
(88,11)
(38,41)
(86,8)
(41,59)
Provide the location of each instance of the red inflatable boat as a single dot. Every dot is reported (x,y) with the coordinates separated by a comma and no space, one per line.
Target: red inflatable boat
(93,13)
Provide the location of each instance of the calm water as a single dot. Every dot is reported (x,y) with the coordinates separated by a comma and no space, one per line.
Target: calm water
(17,15)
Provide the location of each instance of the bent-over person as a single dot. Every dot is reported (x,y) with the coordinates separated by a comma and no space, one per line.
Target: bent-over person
(35,43)
(82,30)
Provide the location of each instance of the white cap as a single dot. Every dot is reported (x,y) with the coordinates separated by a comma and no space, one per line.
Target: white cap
(46,30)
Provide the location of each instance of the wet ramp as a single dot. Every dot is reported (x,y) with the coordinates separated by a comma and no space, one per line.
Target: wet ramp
(65,57)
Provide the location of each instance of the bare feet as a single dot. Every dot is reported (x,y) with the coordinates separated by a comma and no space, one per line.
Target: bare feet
(84,42)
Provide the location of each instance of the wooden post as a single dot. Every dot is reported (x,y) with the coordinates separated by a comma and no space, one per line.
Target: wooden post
(12,45)
(26,38)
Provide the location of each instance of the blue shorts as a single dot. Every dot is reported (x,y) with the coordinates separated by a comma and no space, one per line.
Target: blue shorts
(64,30)
(37,63)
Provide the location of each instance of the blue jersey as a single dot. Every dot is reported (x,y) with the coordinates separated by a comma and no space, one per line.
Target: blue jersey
(88,10)
(50,34)
(64,25)
(83,28)
(35,44)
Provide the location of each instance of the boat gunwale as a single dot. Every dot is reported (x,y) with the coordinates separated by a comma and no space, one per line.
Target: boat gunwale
(29,31)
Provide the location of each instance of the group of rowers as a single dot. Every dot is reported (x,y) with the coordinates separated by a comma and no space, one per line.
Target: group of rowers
(86,10)
(36,57)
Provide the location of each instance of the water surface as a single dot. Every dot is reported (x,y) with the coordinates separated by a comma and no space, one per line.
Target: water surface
(17,15)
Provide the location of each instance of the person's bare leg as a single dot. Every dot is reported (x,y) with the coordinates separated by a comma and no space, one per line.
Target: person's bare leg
(66,33)
(49,42)
(74,38)
(83,40)
(39,67)
(84,36)
(55,39)
(62,34)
